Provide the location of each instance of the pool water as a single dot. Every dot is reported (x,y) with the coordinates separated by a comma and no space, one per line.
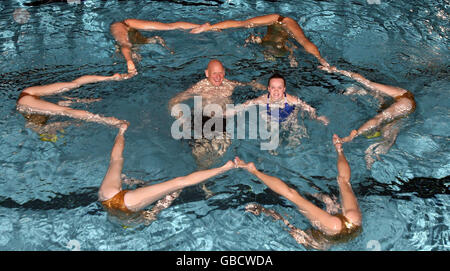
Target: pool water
(48,194)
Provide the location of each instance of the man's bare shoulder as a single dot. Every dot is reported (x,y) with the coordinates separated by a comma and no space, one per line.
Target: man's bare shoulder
(199,86)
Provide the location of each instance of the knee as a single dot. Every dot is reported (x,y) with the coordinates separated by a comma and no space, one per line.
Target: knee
(354,216)
(333,227)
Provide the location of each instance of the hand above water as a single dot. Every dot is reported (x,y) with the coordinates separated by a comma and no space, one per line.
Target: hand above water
(250,167)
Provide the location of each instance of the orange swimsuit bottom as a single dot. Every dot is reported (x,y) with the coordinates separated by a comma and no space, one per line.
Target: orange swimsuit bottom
(117,203)
(348,232)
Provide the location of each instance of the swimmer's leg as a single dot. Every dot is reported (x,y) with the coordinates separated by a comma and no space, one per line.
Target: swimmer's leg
(296,31)
(349,203)
(253,39)
(292,61)
(112,182)
(142,197)
(252,22)
(36,105)
(120,32)
(208,152)
(319,218)
(52,128)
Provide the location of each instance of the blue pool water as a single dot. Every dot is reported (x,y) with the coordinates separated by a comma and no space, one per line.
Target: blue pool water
(48,190)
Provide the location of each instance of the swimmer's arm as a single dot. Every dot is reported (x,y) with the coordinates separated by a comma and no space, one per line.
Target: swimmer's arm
(183,96)
(242,107)
(311,110)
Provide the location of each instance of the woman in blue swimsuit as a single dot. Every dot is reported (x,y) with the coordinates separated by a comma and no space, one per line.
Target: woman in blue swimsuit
(278,98)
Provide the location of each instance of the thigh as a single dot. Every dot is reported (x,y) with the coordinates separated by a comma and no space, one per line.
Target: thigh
(397,110)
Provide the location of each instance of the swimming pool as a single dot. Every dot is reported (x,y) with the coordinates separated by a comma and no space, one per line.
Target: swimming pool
(48,195)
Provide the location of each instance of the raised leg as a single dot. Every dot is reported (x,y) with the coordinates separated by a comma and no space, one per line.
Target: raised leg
(120,31)
(112,182)
(349,203)
(33,104)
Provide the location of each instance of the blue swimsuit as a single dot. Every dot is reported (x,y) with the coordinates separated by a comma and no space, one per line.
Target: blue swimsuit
(283,113)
